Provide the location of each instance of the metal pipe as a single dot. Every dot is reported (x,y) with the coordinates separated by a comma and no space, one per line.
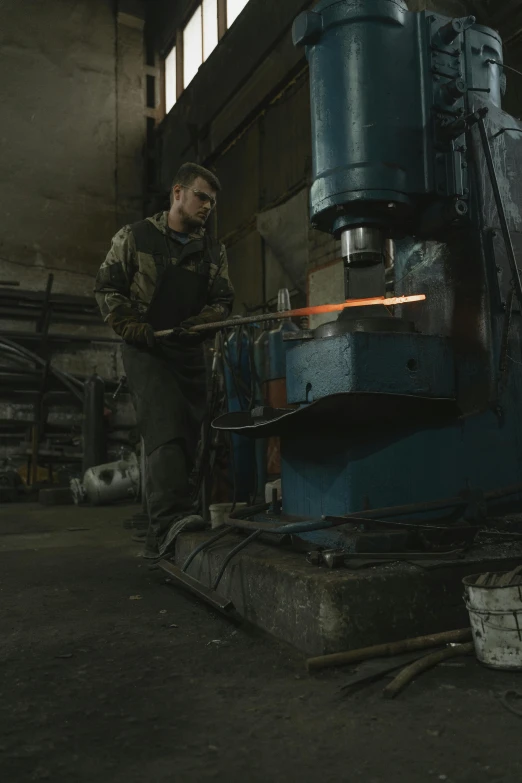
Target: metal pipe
(510,251)
(290,529)
(391,511)
(300,313)
(388,650)
(362,246)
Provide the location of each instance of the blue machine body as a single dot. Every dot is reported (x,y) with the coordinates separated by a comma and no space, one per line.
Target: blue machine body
(424,404)
(377,73)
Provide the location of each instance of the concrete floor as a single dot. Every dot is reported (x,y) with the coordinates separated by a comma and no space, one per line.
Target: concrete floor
(110,674)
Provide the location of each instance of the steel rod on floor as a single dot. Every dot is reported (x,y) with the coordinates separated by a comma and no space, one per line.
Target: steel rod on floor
(388,650)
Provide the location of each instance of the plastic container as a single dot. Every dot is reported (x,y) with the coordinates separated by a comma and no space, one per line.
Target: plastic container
(269,488)
(218,511)
(496,622)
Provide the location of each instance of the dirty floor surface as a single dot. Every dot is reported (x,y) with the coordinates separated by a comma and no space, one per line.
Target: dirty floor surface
(109,674)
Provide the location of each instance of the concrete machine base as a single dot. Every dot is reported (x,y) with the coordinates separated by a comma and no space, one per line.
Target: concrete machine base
(321,610)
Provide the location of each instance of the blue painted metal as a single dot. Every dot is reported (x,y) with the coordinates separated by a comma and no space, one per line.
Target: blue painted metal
(371,362)
(334,476)
(388,88)
(389,91)
(377,72)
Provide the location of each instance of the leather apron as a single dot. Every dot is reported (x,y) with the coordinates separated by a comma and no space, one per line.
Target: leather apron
(168,382)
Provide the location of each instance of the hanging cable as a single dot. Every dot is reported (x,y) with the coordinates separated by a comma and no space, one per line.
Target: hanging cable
(69,381)
(503,65)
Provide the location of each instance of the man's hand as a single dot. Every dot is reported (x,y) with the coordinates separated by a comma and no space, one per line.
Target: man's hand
(183,336)
(133,331)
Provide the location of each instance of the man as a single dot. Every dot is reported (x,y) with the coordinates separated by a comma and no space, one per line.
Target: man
(166,272)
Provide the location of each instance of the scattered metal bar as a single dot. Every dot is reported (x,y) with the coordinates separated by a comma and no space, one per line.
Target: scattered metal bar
(372,671)
(388,650)
(427,662)
(195,587)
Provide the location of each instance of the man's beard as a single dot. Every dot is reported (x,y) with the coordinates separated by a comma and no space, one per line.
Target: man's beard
(189,221)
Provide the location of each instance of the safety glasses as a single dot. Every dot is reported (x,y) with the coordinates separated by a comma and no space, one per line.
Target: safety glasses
(205,198)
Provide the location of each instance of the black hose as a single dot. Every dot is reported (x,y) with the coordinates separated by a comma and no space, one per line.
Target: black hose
(233,553)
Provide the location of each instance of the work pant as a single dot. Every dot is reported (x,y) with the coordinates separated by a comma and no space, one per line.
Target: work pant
(167,489)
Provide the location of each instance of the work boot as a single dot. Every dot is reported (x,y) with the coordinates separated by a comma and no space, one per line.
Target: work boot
(139,536)
(184,525)
(152,555)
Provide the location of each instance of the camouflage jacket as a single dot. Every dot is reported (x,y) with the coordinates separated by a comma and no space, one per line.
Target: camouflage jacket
(126,281)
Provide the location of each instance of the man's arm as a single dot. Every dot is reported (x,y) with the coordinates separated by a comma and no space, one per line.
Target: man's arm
(112,291)
(220,297)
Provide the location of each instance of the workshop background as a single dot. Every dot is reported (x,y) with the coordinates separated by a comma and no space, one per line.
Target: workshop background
(110,673)
(112,103)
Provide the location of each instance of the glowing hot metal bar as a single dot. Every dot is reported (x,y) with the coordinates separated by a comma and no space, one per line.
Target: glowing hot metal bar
(302,311)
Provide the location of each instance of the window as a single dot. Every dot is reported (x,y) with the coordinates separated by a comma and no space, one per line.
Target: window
(192,47)
(210,27)
(170,79)
(199,39)
(234,8)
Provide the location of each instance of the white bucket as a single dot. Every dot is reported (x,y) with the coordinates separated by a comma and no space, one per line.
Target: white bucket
(269,488)
(496,622)
(218,511)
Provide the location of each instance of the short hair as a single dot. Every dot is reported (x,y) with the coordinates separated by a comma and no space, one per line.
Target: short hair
(191,171)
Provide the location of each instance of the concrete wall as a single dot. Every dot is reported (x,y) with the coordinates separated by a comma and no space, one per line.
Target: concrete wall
(71,136)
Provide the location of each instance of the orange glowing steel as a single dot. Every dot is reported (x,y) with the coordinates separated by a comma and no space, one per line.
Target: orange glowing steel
(335,308)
